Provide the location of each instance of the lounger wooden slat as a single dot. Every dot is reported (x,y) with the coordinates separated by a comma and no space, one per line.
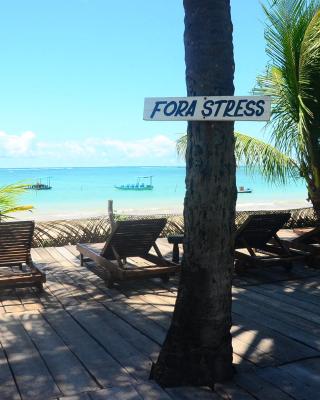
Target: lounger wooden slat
(308,241)
(15,246)
(252,242)
(130,239)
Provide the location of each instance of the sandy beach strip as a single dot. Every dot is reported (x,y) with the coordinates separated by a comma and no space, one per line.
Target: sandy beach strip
(39,214)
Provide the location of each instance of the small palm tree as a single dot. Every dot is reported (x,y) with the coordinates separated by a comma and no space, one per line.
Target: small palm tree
(9,195)
(292,78)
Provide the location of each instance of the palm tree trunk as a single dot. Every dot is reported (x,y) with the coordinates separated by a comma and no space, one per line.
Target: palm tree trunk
(198,350)
(314,196)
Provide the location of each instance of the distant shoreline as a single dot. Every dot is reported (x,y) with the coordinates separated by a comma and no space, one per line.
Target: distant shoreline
(99,166)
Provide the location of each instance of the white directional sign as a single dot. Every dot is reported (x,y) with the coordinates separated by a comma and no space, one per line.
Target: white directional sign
(208,108)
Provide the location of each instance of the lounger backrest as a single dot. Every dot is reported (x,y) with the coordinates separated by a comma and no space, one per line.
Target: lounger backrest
(133,238)
(257,230)
(15,241)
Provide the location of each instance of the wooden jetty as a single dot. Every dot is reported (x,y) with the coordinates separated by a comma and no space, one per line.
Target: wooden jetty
(79,340)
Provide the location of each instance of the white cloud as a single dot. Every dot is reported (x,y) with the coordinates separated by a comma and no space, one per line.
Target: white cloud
(16,145)
(158,146)
(105,149)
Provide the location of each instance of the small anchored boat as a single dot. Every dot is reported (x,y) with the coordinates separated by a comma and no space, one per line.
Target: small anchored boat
(143,183)
(242,189)
(40,186)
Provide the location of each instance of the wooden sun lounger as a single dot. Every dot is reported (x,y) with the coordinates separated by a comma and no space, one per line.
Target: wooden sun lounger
(16,266)
(257,242)
(307,240)
(116,259)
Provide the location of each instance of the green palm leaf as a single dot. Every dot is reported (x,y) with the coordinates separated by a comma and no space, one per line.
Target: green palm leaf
(181,146)
(257,155)
(9,196)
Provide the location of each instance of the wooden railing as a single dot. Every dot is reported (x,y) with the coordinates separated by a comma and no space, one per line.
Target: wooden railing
(64,232)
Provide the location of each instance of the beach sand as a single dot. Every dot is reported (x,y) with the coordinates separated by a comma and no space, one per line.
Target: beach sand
(84,213)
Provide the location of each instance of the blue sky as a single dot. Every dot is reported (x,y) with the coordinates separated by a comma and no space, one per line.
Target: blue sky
(74,74)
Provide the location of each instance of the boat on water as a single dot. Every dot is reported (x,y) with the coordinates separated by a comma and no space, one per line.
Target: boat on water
(242,189)
(143,183)
(39,185)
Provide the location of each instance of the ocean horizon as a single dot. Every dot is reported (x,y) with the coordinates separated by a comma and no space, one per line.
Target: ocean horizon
(81,192)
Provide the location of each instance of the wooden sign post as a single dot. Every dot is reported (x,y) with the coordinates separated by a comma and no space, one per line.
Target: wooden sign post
(111,214)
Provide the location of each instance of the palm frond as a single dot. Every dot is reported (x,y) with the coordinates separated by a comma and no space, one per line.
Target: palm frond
(18,208)
(9,197)
(181,146)
(255,154)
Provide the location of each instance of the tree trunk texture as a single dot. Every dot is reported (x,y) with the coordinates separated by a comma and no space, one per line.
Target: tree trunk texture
(198,350)
(314,196)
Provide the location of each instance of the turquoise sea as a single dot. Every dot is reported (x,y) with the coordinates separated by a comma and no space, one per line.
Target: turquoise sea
(82,192)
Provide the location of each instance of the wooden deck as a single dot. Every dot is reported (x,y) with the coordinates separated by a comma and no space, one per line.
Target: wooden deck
(82,341)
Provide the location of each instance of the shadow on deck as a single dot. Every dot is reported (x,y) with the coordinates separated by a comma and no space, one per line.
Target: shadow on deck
(83,340)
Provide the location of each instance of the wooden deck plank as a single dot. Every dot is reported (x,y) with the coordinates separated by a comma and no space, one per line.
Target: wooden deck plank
(253,353)
(30,372)
(306,371)
(254,312)
(120,349)
(102,299)
(286,295)
(102,367)
(305,327)
(305,289)
(69,374)
(137,339)
(57,281)
(125,312)
(231,391)
(299,389)
(138,320)
(255,334)
(149,390)
(305,318)
(81,396)
(113,334)
(96,290)
(82,276)
(8,387)
(125,392)
(149,310)
(152,299)
(276,273)
(260,388)
(192,393)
